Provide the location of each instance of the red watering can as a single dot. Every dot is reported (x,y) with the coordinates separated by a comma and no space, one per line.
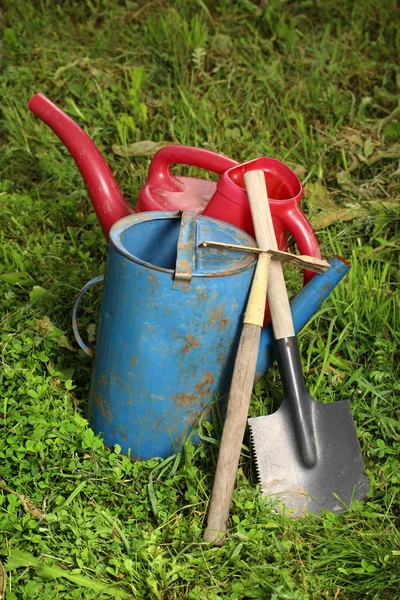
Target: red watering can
(225,200)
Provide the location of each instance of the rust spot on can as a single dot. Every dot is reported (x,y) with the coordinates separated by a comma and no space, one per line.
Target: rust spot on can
(343,260)
(133,361)
(99,403)
(289,344)
(217,318)
(203,387)
(185,265)
(106,414)
(221,358)
(183,400)
(116,377)
(154,283)
(196,416)
(190,342)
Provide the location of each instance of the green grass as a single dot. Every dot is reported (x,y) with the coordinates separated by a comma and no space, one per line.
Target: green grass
(313,84)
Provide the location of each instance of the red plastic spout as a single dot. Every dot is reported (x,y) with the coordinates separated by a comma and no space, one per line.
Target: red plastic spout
(107,200)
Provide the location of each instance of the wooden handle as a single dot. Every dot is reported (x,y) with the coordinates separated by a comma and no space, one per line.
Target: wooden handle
(278,300)
(239,398)
(232,435)
(255,309)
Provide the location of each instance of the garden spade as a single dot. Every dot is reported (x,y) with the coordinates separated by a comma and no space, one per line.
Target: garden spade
(307,454)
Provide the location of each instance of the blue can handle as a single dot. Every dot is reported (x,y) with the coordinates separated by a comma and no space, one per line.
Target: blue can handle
(77,335)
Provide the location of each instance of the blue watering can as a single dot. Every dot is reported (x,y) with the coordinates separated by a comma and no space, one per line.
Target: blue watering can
(170,322)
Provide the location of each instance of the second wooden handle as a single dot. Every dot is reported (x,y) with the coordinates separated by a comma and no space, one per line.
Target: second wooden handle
(278,300)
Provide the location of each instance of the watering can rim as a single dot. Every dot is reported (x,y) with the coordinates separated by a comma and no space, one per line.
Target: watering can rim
(120,226)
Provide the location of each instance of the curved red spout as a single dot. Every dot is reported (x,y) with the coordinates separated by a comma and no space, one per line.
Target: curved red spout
(107,200)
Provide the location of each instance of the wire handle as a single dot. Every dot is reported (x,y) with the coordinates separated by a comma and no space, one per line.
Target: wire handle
(77,335)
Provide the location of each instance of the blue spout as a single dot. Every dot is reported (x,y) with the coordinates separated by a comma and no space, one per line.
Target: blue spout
(303,306)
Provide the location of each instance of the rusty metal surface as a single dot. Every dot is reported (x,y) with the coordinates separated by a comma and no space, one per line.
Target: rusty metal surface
(162,354)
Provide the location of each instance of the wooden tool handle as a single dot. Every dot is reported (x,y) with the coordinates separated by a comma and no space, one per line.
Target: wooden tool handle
(232,436)
(239,397)
(278,300)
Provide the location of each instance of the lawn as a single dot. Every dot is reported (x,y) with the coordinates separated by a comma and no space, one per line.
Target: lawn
(314,84)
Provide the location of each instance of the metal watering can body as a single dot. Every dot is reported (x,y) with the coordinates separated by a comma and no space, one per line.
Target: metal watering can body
(168,329)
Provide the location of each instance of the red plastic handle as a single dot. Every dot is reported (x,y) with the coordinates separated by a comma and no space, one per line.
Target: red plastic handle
(305,238)
(160,174)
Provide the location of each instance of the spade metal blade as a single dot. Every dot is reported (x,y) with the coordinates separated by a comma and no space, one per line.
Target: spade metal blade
(307,453)
(338,475)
